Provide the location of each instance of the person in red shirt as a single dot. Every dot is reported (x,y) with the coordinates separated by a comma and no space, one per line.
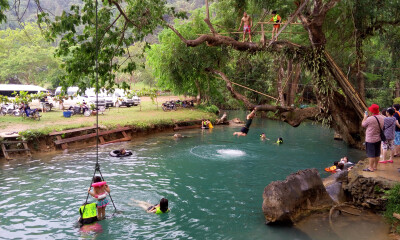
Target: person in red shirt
(275,19)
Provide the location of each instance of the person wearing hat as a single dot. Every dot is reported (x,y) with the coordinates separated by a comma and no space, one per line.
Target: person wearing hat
(373,122)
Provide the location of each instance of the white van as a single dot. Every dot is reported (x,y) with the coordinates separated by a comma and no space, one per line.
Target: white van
(119,97)
(89,97)
(9,89)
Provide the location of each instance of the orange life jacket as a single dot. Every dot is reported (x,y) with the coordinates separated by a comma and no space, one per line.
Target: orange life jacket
(331,169)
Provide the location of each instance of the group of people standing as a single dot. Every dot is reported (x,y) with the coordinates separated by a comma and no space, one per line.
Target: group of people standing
(247,23)
(382,132)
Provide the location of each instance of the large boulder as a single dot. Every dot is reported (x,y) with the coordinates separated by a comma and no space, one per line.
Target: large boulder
(298,196)
(333,185)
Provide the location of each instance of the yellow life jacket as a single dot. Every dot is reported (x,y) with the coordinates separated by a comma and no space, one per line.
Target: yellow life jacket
(90,213)
(275,18)
(158,210)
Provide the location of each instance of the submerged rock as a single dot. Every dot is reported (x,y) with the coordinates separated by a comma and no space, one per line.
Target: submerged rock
(299,195)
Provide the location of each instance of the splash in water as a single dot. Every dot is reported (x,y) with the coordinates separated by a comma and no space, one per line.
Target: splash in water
(230,153)
(216,152)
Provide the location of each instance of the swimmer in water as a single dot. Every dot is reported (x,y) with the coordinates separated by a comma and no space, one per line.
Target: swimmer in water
(279,141)
(162,207)
(245,129)
(263,137)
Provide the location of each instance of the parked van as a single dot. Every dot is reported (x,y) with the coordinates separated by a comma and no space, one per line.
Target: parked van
(9,89)
(119,97)
(73,98)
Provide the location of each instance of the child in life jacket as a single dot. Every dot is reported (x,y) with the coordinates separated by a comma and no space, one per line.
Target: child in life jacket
(162,207)
(100,191)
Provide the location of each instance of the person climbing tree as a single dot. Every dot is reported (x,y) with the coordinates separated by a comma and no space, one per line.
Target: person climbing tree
(276,19)
(247,23)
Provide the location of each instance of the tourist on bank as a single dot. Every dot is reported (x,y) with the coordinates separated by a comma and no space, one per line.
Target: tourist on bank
(397,131)
(373,122)
(389,130)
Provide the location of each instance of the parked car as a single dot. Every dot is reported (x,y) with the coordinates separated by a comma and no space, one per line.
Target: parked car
(136,100)
(118,97)
(74,99)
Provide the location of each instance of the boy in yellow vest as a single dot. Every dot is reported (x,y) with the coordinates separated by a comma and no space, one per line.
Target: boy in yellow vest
(275,19)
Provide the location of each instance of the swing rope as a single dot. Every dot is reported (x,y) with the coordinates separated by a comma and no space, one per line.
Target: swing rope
(97,166)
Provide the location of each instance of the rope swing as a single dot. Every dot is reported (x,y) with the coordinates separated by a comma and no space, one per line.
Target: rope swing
(97,166)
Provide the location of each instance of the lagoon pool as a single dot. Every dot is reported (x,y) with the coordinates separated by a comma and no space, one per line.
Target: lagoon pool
(213,180)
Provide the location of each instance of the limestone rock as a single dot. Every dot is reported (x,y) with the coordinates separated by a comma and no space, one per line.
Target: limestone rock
(300,194)
(236,121)
(333,185)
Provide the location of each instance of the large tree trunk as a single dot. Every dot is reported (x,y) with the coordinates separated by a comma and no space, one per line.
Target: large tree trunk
(280,82)
(345,113)
(293,85)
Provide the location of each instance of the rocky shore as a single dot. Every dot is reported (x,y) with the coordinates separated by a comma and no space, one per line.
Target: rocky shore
(304,195)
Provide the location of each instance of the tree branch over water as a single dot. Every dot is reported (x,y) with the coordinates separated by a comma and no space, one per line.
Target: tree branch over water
(293,116)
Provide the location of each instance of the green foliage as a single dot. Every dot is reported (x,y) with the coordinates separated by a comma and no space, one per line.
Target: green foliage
(26,56)
(393,206)
(208,108)
(104,43)
(32,135)
(4,99)
(24,97)
(3,7)
(396,100)
(180,68)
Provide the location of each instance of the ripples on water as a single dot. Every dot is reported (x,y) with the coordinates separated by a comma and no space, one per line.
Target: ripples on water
(214,183)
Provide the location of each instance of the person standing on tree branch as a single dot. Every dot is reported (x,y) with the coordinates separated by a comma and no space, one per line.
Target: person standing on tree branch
(275,19)
(247,23)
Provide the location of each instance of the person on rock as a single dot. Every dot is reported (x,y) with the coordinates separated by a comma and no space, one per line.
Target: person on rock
(397,130)
(389,130)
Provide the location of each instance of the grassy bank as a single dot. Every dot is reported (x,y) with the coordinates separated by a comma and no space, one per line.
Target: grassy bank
(146,115)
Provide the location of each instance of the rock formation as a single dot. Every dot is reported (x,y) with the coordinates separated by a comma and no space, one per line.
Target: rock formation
(333,185)
(299,195)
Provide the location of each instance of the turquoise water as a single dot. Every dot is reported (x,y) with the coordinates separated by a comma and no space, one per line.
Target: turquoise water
(214,183)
